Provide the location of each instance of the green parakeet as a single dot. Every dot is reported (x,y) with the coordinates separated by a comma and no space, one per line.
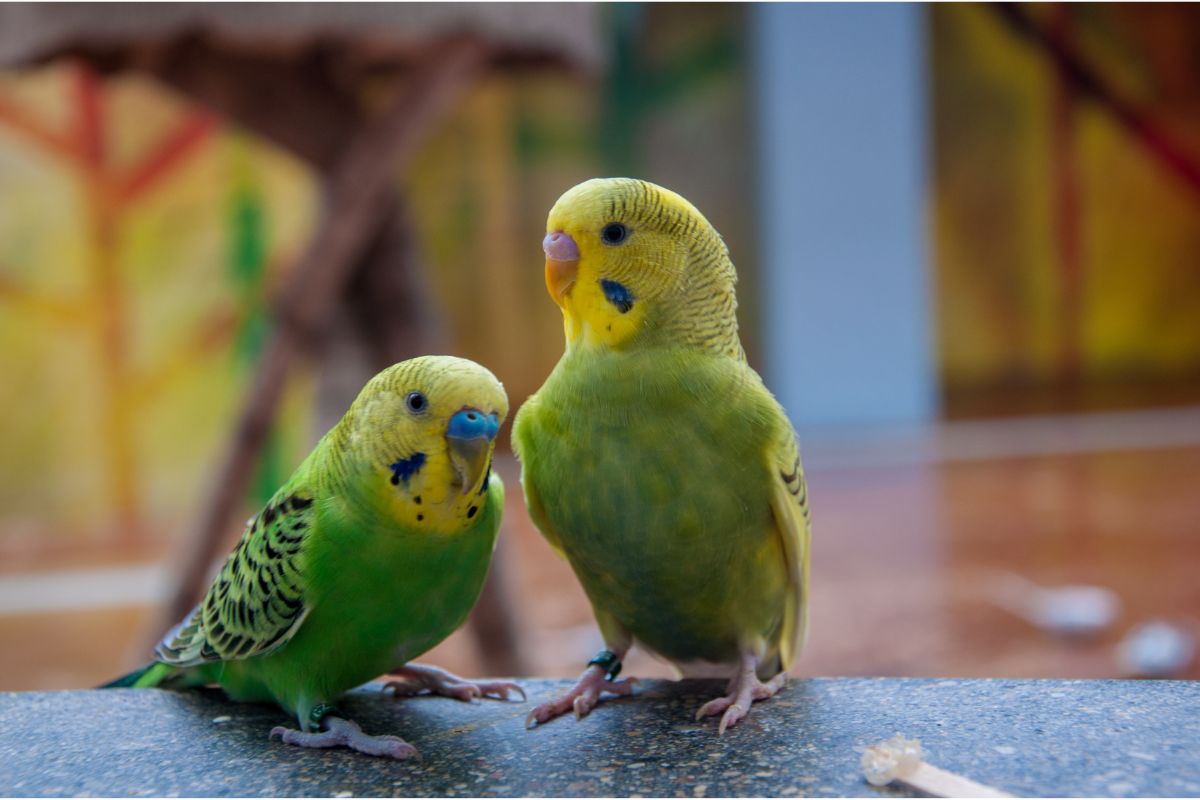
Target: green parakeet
(373,552)
(656,461)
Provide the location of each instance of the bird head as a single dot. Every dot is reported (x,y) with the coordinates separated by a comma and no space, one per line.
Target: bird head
(631,262)
(422,434)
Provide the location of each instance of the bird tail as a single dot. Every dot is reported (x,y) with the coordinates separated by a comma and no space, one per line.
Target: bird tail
(152,674)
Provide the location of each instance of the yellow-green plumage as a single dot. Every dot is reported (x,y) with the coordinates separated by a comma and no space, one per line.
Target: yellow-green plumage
(653,457)
(373,552)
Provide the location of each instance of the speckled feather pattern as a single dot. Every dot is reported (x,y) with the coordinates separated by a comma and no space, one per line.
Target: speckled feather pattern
(256,602)
(347,572)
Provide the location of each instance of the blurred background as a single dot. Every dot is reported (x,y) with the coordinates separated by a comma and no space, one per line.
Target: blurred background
(968,239)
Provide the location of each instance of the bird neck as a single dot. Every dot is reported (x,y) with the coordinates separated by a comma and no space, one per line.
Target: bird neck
(702,316)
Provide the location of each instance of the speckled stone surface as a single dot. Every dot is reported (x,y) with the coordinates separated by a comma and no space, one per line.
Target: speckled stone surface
(1027,737)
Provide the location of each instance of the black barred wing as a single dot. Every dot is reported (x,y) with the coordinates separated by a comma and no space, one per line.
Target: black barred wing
(789,506)
(256,602)
(793,477)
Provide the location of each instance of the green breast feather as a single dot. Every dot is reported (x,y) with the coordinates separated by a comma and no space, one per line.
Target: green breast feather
(649,471)
(313,602)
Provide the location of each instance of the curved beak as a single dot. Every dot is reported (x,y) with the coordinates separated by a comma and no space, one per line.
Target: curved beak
(469,442)
(562,264)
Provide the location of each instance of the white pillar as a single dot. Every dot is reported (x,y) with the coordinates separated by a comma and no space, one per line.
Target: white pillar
(842,141)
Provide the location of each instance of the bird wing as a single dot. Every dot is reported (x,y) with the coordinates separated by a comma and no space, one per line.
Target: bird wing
(789,506)
(524,451)
(256,604)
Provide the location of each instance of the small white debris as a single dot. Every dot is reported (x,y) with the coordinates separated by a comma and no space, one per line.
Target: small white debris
(222,719)
(1156,649)
(1073,611)
(884,762)
(344,794)
(899,759)
(1005,750)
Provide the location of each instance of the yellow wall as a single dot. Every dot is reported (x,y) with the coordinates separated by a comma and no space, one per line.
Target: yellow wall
(1002,289)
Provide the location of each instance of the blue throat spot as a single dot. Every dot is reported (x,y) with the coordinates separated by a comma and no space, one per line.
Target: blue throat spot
(617,294)
(405,468)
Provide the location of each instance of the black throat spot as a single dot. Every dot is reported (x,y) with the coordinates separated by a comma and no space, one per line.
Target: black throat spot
(405,468)
(617,294)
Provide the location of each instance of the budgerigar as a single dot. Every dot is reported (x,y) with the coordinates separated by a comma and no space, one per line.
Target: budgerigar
(654,459)
(373,552)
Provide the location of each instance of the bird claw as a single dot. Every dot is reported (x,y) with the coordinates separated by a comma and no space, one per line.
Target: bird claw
(744,689)
(713,707)
(732,716)
(582,698)
(345,733)
(499,690)
(415,679)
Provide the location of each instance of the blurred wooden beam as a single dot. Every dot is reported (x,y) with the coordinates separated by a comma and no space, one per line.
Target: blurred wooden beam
(1157,140)
(1067,198)
(298,104)
(391,307)
(306,98)
(356,205)
(392,303)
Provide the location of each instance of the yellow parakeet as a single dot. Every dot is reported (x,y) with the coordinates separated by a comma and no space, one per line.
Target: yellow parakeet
(656,461)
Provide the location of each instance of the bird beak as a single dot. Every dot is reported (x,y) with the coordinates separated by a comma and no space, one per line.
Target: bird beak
(562,264)
(469,438)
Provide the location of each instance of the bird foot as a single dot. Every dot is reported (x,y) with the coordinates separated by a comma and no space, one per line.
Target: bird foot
(416,678)
(340,732)
(582,698)
(743,690)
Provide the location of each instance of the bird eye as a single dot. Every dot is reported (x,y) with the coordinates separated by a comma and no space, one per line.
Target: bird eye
(614,233)
(416,402)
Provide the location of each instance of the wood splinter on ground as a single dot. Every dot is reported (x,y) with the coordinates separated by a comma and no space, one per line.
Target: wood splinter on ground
(899,759)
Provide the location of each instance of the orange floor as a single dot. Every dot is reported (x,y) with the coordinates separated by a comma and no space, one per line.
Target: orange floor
(903,555)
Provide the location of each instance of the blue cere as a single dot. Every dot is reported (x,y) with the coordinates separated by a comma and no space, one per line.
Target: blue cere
(473,424)
(617,294)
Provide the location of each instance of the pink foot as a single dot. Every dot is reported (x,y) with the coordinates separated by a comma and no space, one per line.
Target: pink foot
(415,678)
(344,733)
(582,698)
(743,690)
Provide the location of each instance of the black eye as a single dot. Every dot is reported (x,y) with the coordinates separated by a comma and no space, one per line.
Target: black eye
(614,233)
(416,402)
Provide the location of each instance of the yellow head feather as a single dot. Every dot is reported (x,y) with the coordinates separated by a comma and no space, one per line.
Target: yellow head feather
(650,269)
(394,444)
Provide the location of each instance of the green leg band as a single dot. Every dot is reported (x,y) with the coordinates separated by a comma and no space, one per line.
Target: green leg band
(321,711)
(608,661)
